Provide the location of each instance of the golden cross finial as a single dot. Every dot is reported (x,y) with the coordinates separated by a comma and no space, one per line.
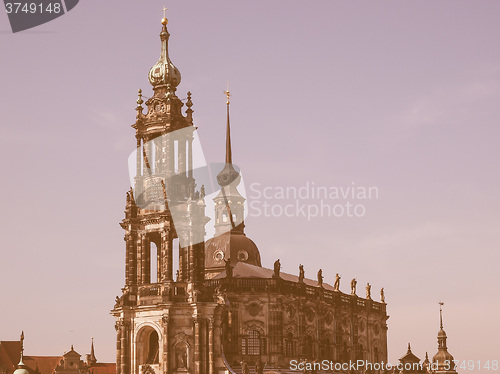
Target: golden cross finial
(227,94)
(164,20)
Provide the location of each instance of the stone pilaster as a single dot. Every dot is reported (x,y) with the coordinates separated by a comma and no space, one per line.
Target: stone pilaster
(118,346)
(124,347)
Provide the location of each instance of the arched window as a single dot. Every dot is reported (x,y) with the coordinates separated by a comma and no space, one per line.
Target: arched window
(309,348)
(289,346)
(327,349)
(153,262)
(251,344)
(152,352)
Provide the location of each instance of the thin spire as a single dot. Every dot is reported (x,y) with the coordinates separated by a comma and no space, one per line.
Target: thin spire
(228,174)
(409,348)
(93,359)
(441,314)
(229,156)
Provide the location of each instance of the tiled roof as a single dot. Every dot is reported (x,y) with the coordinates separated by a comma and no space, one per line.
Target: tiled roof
(46,364)
(103,368)
(10,353)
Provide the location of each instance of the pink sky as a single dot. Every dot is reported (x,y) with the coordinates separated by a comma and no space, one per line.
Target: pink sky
(398,95)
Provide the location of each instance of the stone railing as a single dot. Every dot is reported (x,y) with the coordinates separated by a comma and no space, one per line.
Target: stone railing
(293,288)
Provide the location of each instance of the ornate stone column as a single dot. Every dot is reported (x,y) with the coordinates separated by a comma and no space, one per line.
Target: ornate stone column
(140,241)
(211,345)
(124,347)
(182,156)
(197,355)
(190,157)
(166,345)
(166,255)
(138,158)
(145,278)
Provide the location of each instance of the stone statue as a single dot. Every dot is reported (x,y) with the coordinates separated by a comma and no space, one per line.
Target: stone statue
(259,369)
(336,285)
(229,269)
(368,291)
(244,367)
(320,278)
(382,295)
(277,268)
(181,359)
(301,273)
(353,286)
(219,296)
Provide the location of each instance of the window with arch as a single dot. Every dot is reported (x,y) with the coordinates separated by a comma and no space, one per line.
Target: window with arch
(309,347)
(251,344)
(289,346)
(327,349)
(376,355)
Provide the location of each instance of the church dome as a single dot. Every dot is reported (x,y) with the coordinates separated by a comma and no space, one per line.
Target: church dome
(442,357)
(164,72)
(234,246)
(441,334)
(21,368)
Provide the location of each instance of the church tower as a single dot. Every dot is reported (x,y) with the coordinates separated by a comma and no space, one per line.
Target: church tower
(230,244)
(165,323)
(443,359)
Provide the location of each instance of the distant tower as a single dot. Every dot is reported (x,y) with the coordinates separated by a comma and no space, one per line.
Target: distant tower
(443,358)
(91,359)
(230,242)
(165,325)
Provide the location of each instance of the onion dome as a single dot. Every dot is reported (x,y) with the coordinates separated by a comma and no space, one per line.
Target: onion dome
(164,72)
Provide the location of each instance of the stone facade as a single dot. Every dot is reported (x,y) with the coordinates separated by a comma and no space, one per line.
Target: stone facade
(222,308)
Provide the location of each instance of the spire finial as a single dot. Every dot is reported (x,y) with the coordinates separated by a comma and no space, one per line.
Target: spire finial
(22,347)
(164,20)
(228,94)
(409,348)
(441,314)
(139,97)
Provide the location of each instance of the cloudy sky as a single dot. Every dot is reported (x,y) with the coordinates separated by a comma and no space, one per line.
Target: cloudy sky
(401,96)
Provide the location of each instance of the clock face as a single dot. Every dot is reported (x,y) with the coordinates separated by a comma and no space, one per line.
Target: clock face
(242,255)
(219,256)
(253,309)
